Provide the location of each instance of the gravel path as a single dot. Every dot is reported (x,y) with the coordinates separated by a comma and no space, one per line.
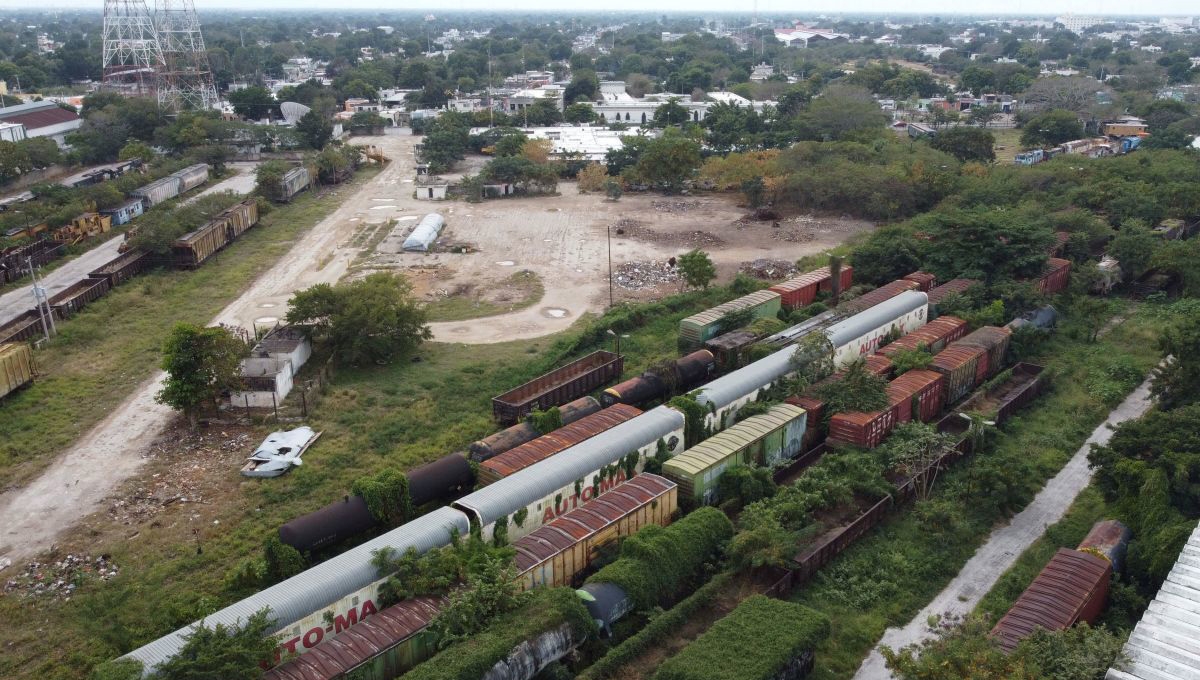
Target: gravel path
(1006,544)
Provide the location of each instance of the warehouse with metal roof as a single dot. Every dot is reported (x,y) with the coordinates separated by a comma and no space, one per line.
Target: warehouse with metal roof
(1165,645)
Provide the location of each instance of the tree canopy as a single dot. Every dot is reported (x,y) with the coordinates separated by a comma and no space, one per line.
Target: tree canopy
(200,363)
(371,320)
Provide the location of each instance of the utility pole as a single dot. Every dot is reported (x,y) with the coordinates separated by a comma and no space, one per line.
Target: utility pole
(43,304)
(610,288)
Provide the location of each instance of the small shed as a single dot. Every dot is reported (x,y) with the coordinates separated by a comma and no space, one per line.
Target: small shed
(425,233)
(431,191)
(267,374)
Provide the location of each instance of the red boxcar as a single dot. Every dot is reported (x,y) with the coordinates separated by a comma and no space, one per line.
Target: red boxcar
(952,286)
(1071,588)
(960,365)
(1055,277)
(802,290)
(934,336)
(864,430)
(919,394)
(924,280)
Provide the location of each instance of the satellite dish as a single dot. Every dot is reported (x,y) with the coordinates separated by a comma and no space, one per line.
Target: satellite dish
(293,111)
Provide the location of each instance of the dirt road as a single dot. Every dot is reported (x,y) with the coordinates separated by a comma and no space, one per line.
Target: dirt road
(16,302)
(82,476)
(1006,544)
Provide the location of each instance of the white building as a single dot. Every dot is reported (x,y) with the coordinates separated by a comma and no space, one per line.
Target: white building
(269,371)
(12,132)
(42,119)
(592,143)
(802,36)
(1076,24)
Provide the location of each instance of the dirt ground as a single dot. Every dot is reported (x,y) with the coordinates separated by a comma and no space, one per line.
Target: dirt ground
(565,241)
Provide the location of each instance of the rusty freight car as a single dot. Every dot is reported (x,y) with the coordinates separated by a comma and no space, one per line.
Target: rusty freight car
(1072,587)
(557,553)
(192,249)
(122,268)
(68,303)
(22,327)
(240,217)
(551,443)
(559,386)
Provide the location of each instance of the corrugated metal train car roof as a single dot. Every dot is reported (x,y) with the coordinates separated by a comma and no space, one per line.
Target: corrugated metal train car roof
(580,523)
(1163,645)
(532,484)
(1055,598)
(731,387)
(549,444)
(715,314)
(358,644)
(718,447)
(318,587)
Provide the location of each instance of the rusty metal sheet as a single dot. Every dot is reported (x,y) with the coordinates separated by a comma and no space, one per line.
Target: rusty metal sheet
(356,645)
(1072,587)
(581,524)
(547,445)
(953,286)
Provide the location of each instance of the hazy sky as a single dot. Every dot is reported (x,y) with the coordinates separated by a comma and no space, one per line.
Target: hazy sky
(1086,7)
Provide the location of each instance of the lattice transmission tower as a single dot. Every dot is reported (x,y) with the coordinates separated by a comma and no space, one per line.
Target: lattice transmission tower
(185,79)
(131,54)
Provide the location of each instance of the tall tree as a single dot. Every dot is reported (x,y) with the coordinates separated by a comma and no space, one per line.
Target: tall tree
(200,363)
(697,269)
(315,130)
(254,102)
(966,143)
(668,161)
(1051,128)
(372,320)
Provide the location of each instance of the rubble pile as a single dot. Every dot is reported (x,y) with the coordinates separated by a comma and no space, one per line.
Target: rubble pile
(59,579)
(675,207)
(197,458)
(768,269)
(643,275)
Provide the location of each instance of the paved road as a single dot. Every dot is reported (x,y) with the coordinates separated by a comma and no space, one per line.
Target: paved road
(16,302)
(1006,544)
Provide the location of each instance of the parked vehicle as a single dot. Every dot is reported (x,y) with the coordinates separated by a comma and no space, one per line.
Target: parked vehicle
(294,181)
(68,302)
(158,191)
(515,435)
(559,553)
(933,336)
(802,290)
(688,372)
(194,248)
(995,341)
(1072,587)
(191,177)
(1054,279)
(559,386)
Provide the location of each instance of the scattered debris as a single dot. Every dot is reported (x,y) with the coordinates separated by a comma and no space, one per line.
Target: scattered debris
(769,269)
(643,275)
(59,579)
(689,239)
(675,206)
(199,456)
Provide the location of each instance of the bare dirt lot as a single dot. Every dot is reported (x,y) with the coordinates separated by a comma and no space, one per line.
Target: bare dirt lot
(564,240)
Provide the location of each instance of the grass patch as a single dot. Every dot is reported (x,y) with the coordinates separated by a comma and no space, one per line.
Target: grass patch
(887,577)
(1008,143)
(399,415)
(519,291)
(101,355)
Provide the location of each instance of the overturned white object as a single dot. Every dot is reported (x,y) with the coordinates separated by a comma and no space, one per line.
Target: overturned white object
(279,452)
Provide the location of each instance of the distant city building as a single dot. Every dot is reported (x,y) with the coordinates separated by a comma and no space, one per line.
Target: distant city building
(803,36)
(1076,24)
(762,72)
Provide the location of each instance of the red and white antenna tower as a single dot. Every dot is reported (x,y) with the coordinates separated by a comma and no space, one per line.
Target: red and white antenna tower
(185,80)
(131,54)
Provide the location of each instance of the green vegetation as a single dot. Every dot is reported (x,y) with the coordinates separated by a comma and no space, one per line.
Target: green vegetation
(697,270)
(659,563)
(386,495)
(371,320)
(201,364)
(962,649)
(157,230)
(887,576)
(519,291)
(541,610)
(755,641)
(856,391)
(104,353)
(222,652)
(438,571)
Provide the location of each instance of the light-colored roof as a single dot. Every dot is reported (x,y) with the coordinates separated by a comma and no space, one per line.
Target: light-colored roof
(534,483)
(733,386)
(1165,645)
(720,446)
(425,233)
(710,315)
(320,586)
